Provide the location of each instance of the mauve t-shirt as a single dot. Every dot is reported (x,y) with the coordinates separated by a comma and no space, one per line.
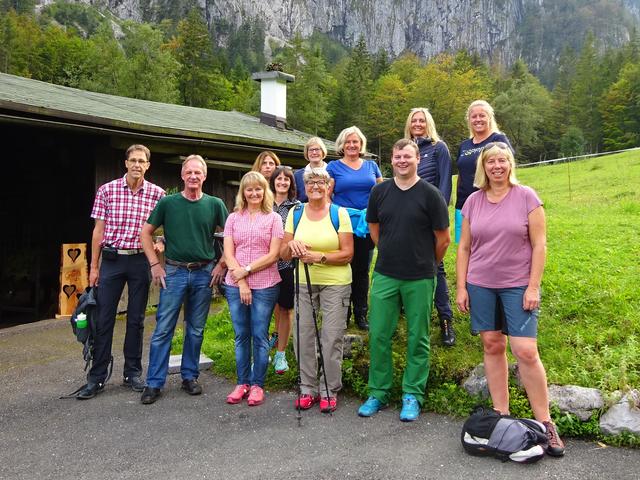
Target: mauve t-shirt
(500,245)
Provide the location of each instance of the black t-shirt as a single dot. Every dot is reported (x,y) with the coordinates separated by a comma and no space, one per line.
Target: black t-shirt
(407,220)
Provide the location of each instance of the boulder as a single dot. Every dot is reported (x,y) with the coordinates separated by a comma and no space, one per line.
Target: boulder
(476,382)
(624,415)
(580,401)
(349,341)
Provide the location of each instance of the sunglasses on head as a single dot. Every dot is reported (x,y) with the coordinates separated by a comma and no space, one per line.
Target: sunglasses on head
(501,145)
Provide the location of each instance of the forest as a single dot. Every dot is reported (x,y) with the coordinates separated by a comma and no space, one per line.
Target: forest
(592,104)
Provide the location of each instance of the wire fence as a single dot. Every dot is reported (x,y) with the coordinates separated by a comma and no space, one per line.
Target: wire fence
(573,159)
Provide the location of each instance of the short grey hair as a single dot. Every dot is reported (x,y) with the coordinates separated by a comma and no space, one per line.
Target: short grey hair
(316,172)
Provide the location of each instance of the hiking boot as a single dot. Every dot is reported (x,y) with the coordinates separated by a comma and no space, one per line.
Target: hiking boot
(410,408)
(134,383)
(280,364)
(448,335)
(90,390)
(371,407)
(191,386)
(240,392)
(555,448)
(361,322)
(328,404)
(306,401)
(256,396)
(150,395)
(273,340)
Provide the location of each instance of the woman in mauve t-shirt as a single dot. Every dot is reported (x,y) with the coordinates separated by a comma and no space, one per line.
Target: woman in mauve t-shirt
(499,267)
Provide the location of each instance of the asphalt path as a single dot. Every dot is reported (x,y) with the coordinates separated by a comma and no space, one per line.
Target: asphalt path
(113,436)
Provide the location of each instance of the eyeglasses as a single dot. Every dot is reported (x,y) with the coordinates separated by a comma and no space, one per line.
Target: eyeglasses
(501,145)
(135,161)
(315,183)
(314,150)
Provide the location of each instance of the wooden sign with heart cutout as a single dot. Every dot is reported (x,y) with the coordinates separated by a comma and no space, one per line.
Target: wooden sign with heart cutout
(74,276)
(68,290)
(73,253)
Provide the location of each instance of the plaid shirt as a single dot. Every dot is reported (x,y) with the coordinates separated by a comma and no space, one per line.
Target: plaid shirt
(124,212)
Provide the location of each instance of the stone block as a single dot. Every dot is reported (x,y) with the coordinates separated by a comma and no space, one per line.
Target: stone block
(580,401)
(624,415)
(175,360)
(349,340)
(476,382)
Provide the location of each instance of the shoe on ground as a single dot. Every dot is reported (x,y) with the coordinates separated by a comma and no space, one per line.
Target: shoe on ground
(240,392)
(280,364)
(90,390)
(306,401)
(361,322)
(273,340)
(150,395)
(410,408)
(191,386)
(134,383)
(328,404)
(371,407)
(256,396)
(555,447)
(448,334)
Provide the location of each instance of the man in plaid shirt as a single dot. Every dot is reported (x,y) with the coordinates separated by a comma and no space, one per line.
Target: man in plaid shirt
(120,209)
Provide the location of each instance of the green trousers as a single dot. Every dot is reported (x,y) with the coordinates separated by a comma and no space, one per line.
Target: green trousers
(386,297)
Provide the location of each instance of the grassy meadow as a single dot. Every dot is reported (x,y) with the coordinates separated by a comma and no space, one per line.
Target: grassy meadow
(589,331)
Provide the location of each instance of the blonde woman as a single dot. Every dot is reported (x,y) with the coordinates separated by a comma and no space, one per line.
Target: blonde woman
(252,237)
(266,162)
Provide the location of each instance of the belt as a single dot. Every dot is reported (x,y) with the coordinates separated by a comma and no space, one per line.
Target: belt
(188,265)
(131,251)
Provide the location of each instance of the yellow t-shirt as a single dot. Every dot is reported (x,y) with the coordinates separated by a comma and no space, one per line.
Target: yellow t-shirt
(322,237)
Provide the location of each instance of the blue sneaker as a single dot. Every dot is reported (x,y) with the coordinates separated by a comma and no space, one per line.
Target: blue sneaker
(371,407)
(280,363)
(410,408)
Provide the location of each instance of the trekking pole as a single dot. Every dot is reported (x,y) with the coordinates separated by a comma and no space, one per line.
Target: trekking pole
(315,323)
(297,305)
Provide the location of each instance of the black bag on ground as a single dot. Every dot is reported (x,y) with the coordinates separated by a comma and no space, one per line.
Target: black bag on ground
(86,306)
(487,433)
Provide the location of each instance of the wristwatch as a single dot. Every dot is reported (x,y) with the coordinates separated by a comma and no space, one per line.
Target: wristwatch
(248,268)
(323,259)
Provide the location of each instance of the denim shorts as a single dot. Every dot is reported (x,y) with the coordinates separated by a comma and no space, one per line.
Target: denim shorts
(495,309)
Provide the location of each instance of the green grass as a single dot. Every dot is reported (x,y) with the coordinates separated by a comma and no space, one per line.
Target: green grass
(589,324)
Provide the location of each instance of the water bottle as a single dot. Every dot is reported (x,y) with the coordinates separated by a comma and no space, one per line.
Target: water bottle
(81,321)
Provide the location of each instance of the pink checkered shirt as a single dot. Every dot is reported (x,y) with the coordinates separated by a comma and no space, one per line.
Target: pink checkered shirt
(124,212)
(252,239)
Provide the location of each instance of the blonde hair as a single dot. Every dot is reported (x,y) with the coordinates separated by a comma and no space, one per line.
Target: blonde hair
(480,180)
(342,138)
(486,108)
(254,178)
(199,159)
(314,141)
(257,165)
(316,172)
(431,126)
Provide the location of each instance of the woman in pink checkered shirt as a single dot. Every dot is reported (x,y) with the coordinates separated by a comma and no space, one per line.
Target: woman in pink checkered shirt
(252,237)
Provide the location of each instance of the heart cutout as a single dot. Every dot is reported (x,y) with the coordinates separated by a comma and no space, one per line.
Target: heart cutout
(68,290)
(73,253)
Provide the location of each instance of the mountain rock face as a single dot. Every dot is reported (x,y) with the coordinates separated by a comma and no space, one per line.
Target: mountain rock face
(498,30)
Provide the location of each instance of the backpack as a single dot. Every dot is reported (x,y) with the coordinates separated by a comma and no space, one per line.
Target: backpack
(333,213)
(487,433)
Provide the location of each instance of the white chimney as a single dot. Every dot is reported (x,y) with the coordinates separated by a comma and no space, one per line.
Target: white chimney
(273,97)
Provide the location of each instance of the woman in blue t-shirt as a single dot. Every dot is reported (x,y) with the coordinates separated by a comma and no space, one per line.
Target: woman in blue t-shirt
(352,179)
(483,129)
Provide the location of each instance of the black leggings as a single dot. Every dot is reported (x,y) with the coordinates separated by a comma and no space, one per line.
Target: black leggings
(362,252)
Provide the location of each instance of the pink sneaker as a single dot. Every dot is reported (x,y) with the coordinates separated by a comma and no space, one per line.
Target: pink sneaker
(328,404)
(240,392)
(306,401)
(256,396)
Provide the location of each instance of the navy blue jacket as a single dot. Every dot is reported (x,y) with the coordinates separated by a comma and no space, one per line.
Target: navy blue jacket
(435,165)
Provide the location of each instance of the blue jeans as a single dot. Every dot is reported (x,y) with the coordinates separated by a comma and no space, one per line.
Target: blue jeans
(192,288)
(251,322)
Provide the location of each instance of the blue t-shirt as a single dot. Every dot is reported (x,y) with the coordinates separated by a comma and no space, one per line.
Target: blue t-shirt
(467,157)
(353,187)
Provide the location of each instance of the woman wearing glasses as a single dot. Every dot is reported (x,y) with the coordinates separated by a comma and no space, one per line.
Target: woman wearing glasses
(483,129)
(315,152)
(500,263)
(266,162)
(352,179)
(319,235)
(435,168)
(283,186)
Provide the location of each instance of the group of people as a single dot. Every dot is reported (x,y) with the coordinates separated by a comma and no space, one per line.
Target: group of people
(326,218)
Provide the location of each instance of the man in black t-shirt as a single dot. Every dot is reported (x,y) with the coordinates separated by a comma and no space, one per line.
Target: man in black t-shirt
(409,222)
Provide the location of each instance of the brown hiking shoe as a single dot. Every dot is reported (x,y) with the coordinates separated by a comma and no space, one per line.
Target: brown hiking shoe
(555,448)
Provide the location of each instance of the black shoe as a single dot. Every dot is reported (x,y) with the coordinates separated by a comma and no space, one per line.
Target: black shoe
(191,386)
(90,390)
(448,335)
(134,383)
(150,395)
(361,322)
